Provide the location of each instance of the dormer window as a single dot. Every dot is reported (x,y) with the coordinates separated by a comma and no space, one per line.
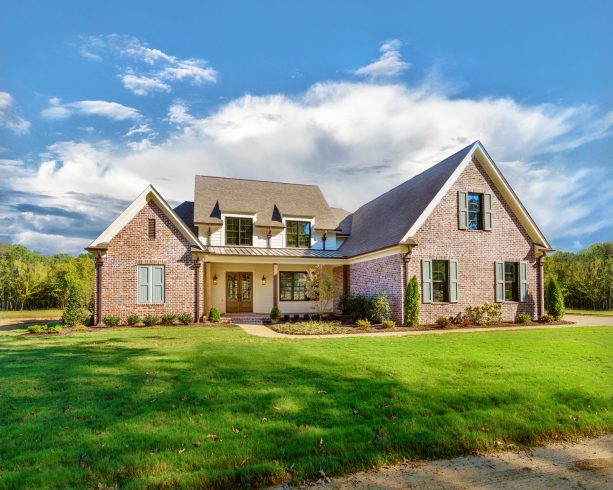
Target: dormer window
(474,211)
(298,234)
(239,231)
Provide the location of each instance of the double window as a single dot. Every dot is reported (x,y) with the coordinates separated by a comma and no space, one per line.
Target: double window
(151,284)
(298,233)
(293,286)
(239,231)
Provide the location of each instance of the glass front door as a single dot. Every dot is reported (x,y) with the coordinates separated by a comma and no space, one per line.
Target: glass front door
(239,292)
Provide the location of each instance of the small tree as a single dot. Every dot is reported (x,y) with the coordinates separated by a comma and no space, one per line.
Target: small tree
(554,299)
(381,309)
(411,303)
(75,313)
(320,289)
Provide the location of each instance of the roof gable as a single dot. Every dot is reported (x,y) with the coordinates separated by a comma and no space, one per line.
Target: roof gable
(149,194)
(395,217)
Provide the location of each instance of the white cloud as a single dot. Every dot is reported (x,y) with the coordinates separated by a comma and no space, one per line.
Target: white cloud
(152,69)
(141,85)
(356,140)
(103,108)
(389,64)
(8,118)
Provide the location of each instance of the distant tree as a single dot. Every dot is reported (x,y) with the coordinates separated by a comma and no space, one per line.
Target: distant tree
(411,303)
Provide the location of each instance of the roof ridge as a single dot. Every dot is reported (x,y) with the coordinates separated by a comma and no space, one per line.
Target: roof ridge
(257,180)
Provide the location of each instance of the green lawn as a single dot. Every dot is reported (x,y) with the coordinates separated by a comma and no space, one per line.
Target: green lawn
(29,314)
(124,407)
(571,311)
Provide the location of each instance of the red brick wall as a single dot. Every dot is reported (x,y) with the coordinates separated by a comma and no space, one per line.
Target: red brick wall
(379,275)
(476,251)
(131,247)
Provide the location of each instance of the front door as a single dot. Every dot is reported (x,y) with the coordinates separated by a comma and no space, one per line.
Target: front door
(239,292)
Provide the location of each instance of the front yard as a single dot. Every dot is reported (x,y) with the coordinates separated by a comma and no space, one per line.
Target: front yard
(214,407)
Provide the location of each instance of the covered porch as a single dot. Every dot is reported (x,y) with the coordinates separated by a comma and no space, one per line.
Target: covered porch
(251,285)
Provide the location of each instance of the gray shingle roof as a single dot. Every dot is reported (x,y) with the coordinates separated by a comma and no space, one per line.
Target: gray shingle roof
(261,197)
(185,211)
(385,220)
(277,252)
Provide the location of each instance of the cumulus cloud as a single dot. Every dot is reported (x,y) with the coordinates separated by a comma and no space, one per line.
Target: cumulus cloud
(389,64)
(103,108)
(9,119)
(356,140)
(149,70)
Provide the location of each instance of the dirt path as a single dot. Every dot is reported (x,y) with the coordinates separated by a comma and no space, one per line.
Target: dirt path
(584,465)
(578,321)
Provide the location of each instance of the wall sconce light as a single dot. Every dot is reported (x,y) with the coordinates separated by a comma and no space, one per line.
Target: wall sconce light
(215,279)
(263,280)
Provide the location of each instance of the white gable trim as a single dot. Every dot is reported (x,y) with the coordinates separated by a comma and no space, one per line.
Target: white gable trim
(501,184)
(149,194)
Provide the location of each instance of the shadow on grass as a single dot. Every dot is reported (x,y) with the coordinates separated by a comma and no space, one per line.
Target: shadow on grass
(172,412)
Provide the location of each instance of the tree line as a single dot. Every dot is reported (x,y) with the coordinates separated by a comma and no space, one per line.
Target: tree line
(586,277)
(30,280)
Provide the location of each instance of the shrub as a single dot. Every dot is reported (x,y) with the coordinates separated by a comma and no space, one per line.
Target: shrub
(554,299)
(286,318)
(168,319)
(185,318)
(110,321)
(296,317)
(54,329)
(356,306)
(363,324)
(81,328)
(443,322)
(411,303)
(37,328)
(388,324)
(380,306)
(523,318)
(484,315)
(75,311)
(274,313)
(214,315)
(546,319)
(461,320)
(133,319)
(150,320)
(306,317)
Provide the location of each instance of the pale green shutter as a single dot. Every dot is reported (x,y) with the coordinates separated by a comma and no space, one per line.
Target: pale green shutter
(144,282)
(499,281)
(523,281)
(462,210)
(454,285)
(426,280)
(487,211)
(158,284)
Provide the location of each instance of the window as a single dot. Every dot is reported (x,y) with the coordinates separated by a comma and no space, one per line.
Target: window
(151,228)
(511,281)
(298,233)
(239,231)
(440,281)
(151,283)
(293,286)
(475,208)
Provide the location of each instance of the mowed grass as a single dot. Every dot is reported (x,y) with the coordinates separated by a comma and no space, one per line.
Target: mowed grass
(124,406)
(30,314)
(571,311)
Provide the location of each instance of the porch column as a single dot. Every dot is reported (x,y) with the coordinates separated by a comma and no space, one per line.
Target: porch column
(208,280)
(98,302)
(275,285)
(197,265)
(346,284)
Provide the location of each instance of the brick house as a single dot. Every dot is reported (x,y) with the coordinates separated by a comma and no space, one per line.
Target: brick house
(244,246)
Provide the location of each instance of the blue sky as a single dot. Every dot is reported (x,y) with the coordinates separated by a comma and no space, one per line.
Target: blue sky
(98,99)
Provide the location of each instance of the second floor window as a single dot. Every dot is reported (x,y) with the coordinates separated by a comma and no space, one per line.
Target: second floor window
(475,221)
(298,234)
(239,231)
